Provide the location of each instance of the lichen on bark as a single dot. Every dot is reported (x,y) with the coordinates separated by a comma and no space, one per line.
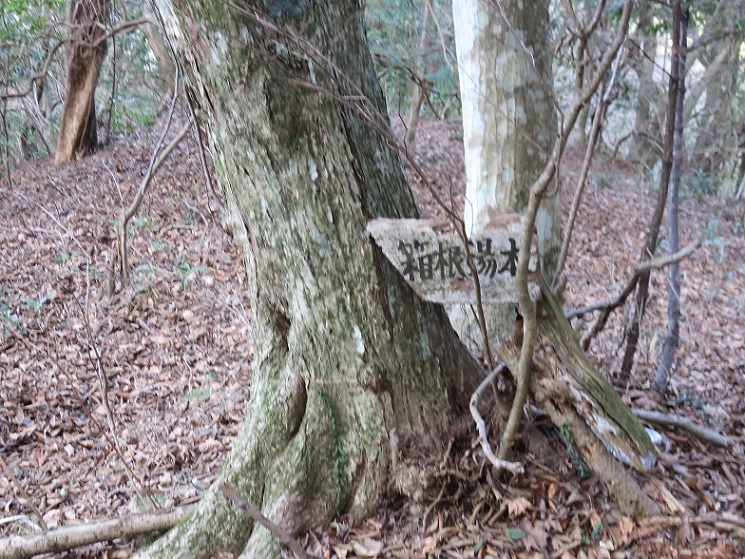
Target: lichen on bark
(345,353)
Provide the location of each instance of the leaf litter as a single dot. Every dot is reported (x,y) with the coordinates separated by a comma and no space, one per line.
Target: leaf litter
(175,352)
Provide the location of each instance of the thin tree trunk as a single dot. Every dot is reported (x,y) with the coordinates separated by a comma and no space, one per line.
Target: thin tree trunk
(632,336)
(673,239)
(161,51)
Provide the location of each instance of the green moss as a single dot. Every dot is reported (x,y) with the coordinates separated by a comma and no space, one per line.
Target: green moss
(339,457)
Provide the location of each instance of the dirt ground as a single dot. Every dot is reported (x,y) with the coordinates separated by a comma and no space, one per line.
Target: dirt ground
(172,352)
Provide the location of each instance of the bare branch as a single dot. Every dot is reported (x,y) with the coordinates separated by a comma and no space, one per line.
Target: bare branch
(41,74)
(22,490)
(581,183)
(156,161)
(527,306)
(513,467)
(651,264)
(668,259)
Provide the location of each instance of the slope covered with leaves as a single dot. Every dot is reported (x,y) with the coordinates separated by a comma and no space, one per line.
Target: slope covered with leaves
(172,353)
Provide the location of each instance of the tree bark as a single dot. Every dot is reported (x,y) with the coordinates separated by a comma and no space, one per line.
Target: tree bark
(161,51)
(78,131)
(509,126)
(349,365)
(647,147)
(509,119)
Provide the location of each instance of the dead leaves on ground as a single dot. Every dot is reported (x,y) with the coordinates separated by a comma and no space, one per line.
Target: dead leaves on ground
(176,354)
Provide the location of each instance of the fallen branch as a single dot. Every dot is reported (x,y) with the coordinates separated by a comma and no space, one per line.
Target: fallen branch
(513,467)
(71,537)
(650,526)
(255,514)
(703,433)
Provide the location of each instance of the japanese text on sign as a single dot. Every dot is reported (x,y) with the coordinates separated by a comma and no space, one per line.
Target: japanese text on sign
(422,262)
(434,262)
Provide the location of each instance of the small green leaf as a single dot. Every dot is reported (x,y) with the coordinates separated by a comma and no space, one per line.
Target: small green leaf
(597,530)
(515,534)
(198,395)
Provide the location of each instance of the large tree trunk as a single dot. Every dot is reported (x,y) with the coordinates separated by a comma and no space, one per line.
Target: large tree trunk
(78,132)
(349,366)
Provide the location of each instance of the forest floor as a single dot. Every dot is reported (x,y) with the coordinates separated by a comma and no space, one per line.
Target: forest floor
(172,351)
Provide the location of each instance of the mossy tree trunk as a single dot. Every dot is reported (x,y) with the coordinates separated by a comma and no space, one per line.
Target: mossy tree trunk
(78,134)
(349,364)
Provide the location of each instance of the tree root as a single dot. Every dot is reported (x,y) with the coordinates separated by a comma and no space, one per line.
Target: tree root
(259,518)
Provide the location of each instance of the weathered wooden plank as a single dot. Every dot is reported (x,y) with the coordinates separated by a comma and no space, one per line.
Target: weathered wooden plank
(433,260)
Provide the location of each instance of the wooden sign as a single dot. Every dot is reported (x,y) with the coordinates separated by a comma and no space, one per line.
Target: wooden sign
(434,264)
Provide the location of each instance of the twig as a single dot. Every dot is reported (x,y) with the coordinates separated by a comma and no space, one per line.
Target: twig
(432,506)
(155,162)
(24,493)
(703,433)
(513,467)
(64,539)
(607,307)
(103,381)
(132,476)
(581,183)
(255,514)
(668,259)
(652,263)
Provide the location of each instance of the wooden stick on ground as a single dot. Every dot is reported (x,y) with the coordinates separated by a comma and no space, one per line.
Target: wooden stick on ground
(71,537)
(22,490)
(703,433)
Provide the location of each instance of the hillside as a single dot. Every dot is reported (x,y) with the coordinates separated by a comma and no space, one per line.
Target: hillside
(172,352)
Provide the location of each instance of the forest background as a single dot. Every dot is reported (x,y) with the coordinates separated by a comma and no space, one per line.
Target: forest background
(80,355)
